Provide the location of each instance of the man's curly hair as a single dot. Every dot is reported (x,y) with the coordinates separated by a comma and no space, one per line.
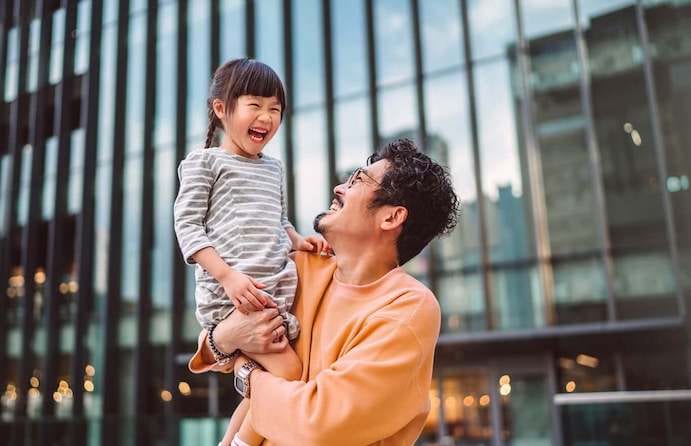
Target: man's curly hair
(416,182)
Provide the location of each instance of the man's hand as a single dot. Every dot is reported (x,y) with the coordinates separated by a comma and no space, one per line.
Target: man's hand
(245,292)
(257,332)
(313,243)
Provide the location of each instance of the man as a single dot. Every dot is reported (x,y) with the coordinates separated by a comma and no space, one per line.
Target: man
(368,328)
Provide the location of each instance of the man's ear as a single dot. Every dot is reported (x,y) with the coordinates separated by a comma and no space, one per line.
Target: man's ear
(219,108)
(395,217)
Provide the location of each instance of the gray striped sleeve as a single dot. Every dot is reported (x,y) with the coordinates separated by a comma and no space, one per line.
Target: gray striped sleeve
(191,204)
(284,201)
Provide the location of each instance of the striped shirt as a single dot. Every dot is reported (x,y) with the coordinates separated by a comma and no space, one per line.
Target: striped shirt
(237,206)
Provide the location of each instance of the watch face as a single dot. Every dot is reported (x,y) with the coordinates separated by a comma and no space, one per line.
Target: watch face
(239,385)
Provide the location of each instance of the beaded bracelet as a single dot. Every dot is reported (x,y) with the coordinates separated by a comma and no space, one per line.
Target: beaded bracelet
(220,357)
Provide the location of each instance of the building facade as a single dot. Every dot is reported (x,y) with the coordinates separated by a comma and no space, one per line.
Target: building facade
(566,125)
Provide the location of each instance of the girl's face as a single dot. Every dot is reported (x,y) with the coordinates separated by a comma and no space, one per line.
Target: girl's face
(251,125)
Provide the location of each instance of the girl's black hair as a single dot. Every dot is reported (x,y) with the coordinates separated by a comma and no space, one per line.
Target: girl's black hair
(240,77)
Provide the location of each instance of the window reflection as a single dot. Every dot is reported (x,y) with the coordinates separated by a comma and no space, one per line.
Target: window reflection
(353,139)
(397,113)
(567,178)
(198,66)
(442,39)
(57,46)
(164,169)
(106,111)
(393,40)
(308,57)
(232,29)
(12,64)
(518,299)
(503,166)
(546,18)
(27,153)
(311,178)
(269,34)
(448,142)
(668,23)
(350,46)
(81,50)
(462,302)
(492,27)
(75,181)
(5,172)
(526,416)
(166,76)
(644,284)
(580,290)
(34,43)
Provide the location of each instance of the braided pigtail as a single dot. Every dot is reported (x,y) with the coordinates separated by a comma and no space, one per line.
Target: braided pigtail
(211,131)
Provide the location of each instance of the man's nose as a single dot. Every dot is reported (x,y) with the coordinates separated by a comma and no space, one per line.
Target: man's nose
(340,189)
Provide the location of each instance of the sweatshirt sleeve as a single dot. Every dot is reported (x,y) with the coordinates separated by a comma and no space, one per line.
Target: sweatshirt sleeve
(377,387)
(192,202)
(284,202)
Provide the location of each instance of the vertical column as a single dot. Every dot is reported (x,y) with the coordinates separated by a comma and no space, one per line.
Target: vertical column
(84,249)
(288,114)
(5,20)
(178,270)
(142,354)
(250,48)
(55,254)
(329,94)
(372,73)
(215,35)
(14,146)
(475,138)
(594,159)
(111,309)
(535,181)
(660,154)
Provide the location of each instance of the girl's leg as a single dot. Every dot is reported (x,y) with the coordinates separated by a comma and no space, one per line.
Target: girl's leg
(247,434)
(286,365)
(235,422)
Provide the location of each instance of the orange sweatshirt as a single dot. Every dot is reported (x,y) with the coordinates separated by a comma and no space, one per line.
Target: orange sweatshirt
(367,354)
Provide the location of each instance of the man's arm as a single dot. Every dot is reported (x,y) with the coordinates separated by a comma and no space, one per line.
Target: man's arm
(253,332)
(373,391)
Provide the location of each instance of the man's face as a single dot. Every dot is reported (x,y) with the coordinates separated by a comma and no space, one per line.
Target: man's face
(349,212)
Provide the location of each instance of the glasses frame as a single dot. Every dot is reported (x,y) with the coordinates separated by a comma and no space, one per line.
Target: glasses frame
(356,174)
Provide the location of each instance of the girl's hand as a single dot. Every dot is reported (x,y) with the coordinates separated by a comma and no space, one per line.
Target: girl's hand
(245,292)
(314,243)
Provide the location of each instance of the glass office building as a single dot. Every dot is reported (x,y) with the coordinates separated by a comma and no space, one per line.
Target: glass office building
(566,125)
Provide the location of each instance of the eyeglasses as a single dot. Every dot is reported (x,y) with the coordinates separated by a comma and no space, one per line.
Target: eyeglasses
(357,176)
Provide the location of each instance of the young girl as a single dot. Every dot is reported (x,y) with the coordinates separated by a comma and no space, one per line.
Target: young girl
(231,218)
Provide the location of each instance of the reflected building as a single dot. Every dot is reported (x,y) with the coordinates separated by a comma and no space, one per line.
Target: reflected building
(564,290)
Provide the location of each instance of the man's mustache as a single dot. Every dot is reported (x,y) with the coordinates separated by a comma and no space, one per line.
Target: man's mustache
(315,225)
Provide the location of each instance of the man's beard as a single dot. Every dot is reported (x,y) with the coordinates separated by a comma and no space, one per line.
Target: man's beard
(319,228)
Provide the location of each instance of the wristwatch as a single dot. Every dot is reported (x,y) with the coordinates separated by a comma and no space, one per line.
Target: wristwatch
(220,357)
(242,378)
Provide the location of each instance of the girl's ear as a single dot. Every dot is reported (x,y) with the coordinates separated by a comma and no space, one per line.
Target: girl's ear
(219,109)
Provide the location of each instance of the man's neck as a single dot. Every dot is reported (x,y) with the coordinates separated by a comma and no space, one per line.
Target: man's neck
(361,268)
